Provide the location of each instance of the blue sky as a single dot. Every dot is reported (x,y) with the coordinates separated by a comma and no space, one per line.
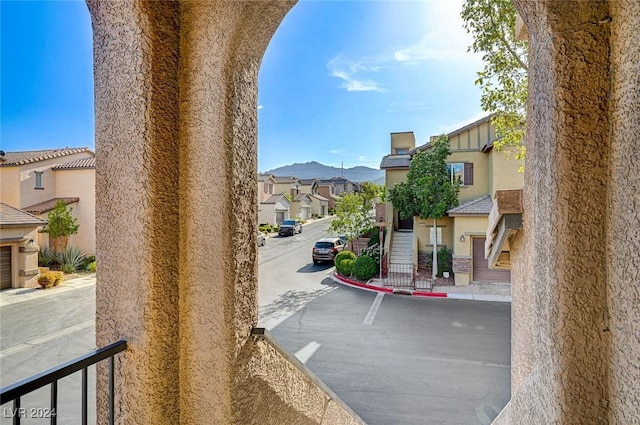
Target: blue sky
(337,78)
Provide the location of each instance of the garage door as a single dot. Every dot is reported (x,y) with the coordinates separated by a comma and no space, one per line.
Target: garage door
(279,217)
(5,267)
(481,270)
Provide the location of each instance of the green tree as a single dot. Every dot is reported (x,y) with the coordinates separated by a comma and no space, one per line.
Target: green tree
(504,78)
(61,224)
(429,190)
(371,192)
(352,216)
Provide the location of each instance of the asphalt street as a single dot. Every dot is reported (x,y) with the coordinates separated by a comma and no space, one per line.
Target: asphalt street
(393,359)
(406,360)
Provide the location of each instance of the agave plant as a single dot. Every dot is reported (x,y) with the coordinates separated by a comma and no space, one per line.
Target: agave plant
(46,257)
(71,257)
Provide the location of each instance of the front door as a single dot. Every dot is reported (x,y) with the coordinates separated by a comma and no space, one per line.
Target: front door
(405,223)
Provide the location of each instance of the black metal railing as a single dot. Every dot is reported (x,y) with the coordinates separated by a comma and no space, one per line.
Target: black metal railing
(400,276)
(13,393)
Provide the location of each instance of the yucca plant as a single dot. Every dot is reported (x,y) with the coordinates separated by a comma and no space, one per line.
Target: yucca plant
(71,257)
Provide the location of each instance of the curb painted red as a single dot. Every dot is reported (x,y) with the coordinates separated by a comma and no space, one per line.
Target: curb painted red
(350,282)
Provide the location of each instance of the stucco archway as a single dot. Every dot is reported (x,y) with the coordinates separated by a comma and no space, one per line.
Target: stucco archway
(176,149)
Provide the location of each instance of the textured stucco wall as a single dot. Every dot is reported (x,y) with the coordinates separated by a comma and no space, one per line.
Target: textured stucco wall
(273,387)
(561,335)
(623,241)
(176,123)
(81,184)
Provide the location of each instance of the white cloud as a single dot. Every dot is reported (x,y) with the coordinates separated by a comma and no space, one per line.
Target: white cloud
(260,107)
(446,38)
(336,151)
(349,72)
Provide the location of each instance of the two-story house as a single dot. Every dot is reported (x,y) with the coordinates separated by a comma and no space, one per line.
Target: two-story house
(481,171)
(273,207)
(327,189)
(34,181)
(319,204)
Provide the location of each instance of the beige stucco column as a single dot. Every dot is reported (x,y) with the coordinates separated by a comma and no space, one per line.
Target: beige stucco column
(575,316)
(176,91)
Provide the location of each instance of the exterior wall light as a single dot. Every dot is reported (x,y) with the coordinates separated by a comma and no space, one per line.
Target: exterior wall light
(462,238)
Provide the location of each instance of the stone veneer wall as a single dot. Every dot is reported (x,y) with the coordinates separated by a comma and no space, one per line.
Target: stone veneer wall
(574,313)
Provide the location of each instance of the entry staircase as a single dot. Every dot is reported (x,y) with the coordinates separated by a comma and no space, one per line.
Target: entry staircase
(402,248)
(400,270)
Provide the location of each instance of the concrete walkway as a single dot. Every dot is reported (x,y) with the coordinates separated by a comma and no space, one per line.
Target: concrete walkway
(18,295)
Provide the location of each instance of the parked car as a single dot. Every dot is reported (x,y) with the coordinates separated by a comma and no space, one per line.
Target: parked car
(326,249)
(262,239)
(290,227)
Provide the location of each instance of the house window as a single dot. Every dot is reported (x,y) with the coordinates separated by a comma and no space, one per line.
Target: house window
(461,172)
(401,151)
(39,179)
(438,233)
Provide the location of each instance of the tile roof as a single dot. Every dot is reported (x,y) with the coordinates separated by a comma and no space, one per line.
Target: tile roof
(395,161)
(480,205)
(43,207)
(319,198)
(263,177)
(301,196)
(286,179)
(77,164)
(273,199)
(26,157)
(10,216)
(307,182)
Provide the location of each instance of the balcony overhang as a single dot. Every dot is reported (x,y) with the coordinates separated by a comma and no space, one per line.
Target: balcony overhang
(505,219)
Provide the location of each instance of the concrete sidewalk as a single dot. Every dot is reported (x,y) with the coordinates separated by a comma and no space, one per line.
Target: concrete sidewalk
(18,295)
(473,292)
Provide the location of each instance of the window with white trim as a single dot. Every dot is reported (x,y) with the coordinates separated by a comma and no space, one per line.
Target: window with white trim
(39,183)
(461,172)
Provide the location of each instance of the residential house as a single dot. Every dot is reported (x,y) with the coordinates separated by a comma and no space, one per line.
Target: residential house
(266,186)
(481,171)
(34,181)
(274,210)
(319,204)
(344,186)
(288,185)
(327,189)
(301,206)
(18,249)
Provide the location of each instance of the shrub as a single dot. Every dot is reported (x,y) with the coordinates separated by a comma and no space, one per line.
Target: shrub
(86,261)
(67,268)
(343,255)
(71,257)
(46,257)
(445,262)
(92,267)
(365,267)
(49,279)
(346,267)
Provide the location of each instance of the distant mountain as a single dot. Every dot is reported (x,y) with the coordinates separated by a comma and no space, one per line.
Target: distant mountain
(315,170)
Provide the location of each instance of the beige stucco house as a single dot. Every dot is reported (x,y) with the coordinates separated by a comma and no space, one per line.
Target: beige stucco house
(18,247)
(482,171)
(301,206)
(274,210)
(327,189)
(34,180)
(319,204)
